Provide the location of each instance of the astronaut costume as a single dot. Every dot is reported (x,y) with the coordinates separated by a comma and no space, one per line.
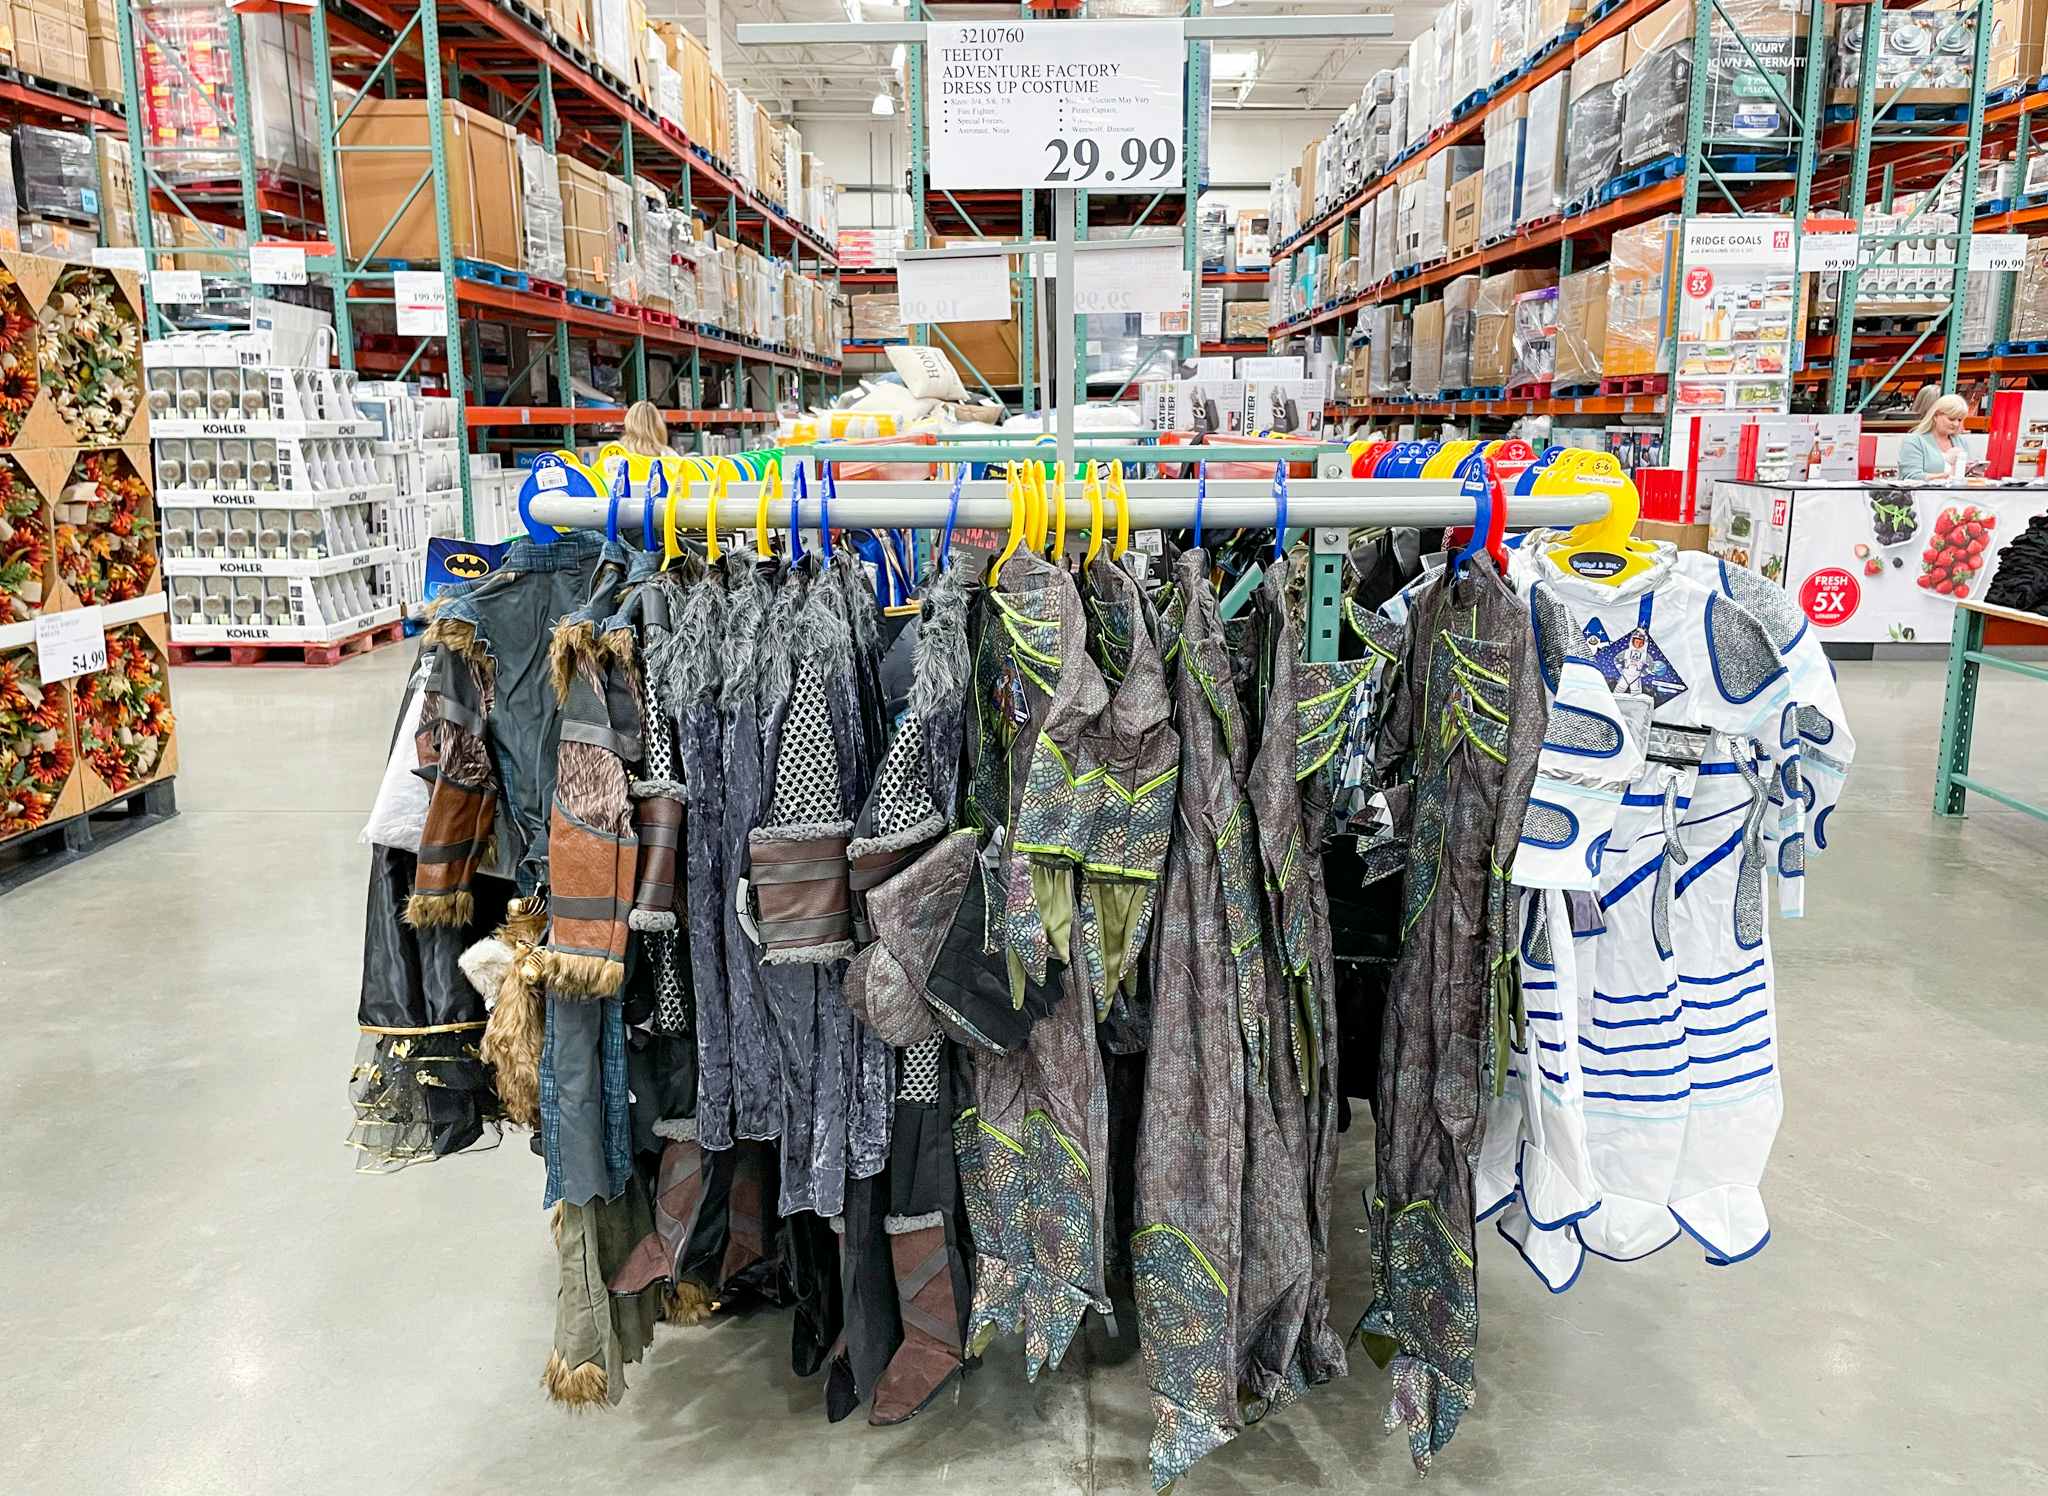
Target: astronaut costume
(1644,1096)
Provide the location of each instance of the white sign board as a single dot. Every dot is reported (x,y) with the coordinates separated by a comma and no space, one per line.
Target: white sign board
(277,265)
(421,297)
(117,257)
(1143,278)
(1829,251)
(1998,252)
(964,288)
(1739,243)
(176,287)
(73,642)
(1094,104)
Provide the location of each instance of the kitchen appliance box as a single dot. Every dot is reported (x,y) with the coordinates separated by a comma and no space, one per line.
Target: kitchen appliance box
(484,217)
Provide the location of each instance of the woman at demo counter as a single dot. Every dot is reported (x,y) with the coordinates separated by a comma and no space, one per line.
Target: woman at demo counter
(1932,449)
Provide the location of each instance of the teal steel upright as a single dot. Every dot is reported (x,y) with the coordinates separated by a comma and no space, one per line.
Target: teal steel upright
(1194,163)
(565,385)
(139,173)
(330,185)
(444,236)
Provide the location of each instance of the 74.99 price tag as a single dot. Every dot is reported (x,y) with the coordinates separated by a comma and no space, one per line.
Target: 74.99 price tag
(1094,104)
(70,643)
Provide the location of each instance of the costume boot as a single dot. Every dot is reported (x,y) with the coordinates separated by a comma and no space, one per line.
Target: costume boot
(932,1300)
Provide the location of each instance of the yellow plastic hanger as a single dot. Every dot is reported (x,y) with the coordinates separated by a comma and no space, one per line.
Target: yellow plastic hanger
(1059,511)
(771,489)
(1014,491)
(1122,499)
(1093,489)
(1601,550)
(711,518)
(669,549)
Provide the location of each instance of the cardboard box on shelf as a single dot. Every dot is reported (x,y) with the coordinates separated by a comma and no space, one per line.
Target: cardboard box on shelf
(2018,28)
(1426,350)
(483,178)
(117,192)
(1641,298)
(1461,297)
(1246,320)
(1581,326)
(1684,537)
(1463,232)
(1493,322)
(571,21)
(1602,64)
(586,226)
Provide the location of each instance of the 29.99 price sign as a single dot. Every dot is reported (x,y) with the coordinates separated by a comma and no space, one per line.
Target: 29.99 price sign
(1094,104)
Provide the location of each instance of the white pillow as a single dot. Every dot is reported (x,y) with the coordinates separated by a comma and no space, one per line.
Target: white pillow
(927,373)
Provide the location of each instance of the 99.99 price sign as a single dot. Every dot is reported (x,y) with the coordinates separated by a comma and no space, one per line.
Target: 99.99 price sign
(1048,104)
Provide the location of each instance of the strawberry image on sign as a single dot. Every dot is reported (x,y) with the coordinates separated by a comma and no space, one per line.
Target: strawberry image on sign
(1951,560)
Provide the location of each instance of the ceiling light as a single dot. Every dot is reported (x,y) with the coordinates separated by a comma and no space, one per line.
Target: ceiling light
(884,104)
(1220,4)
(896,57)
(1233,64)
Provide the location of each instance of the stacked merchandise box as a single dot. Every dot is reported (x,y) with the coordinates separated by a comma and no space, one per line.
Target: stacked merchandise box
(2018,28)
(483,183)
(869,249)
(688,244)
(1246,321)
(1461,302)
(187,87)
(1408,190)
(1753,53)
(1641,299)
(1511,35)
(1543,151)
(103,49)
(1924,56)
(1422,102)
(1534,360)
(1386,235)
(1251,242)
(588,230)
(117,191)
(1581,327)
(1461,235)
(1445,29)
(1593,130)
(1212,234)
(1493,323)
(540,197)
(1392,350)
(1472,62)
(50,42)
(624,261)
(1500,193)
(1426,349)
(77,529)
(652,235)
(56,189)
(571,22)
(746,139)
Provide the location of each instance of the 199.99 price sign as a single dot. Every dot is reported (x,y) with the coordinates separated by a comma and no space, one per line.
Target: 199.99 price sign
(1094,104)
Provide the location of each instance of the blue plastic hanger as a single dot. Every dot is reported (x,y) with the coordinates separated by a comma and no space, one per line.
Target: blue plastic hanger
(952,514)
(799,490)
(1479,489)
(657,488)
(825,491)
(1279,510)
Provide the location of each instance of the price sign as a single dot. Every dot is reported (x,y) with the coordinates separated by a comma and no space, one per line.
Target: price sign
(1998,251)
(421,297)
(176,287)
(1830,596)
(117,257)
(1094,104)
(1147,278)
(277,265)
(972,288)
(1829,251)
(70,643)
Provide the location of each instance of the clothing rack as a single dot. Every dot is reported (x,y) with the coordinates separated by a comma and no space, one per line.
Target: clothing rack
(1155,503)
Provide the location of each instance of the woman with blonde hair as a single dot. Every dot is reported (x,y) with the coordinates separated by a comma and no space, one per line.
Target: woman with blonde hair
(646,432)
(1935,447)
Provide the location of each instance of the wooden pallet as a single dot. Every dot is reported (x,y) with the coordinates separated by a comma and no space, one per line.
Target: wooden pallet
(58,844)
(293,653)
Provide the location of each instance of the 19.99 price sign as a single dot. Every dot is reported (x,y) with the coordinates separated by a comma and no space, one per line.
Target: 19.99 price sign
(1094,104)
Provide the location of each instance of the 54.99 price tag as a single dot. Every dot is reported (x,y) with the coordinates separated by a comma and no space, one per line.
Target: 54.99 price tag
(1094,104)
(69,644)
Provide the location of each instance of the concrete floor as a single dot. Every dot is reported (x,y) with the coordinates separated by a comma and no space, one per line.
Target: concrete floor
(201,1296)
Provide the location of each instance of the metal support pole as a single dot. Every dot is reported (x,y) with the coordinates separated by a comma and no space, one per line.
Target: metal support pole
(1809,123)
(1065,323)
(1194,162)
(636,356)
(1859,197)
(1689,205)
(245,146)
(444,237)
(550,126)
(331,209)
(1966,205)
(138,166)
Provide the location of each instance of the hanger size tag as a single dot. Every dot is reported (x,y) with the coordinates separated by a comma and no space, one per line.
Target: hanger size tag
(1595,564)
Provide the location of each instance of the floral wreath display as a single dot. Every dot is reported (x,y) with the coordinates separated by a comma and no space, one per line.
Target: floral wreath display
(110,556)
(24,545)
(124,711)
(19,375)
(35,750)
(92,355)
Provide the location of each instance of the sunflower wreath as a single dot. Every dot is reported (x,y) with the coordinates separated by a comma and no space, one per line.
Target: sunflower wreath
(35,748)
(124,711)
(92,355)
(24,546)
(108,553)
(19,374)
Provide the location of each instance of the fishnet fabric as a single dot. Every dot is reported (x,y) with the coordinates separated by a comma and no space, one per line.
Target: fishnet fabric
(671,1004)
(917,1074)
(903,796)
(807,766)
